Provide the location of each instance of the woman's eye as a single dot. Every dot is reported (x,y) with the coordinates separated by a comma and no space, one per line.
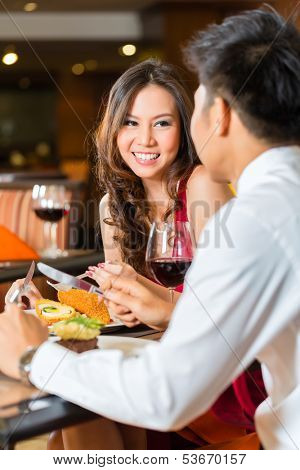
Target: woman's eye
(162,124)
(130,123)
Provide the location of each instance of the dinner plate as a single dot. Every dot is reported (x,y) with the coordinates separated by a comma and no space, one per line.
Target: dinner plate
(128,345)
(112,326)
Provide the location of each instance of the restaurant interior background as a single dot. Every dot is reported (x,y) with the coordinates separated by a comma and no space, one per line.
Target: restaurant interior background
(58,60)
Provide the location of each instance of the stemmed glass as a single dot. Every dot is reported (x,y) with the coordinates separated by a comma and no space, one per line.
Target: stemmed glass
(49,204)
(170,252)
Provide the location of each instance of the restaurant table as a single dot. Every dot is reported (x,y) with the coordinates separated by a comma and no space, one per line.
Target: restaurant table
(26,412)
(76,262)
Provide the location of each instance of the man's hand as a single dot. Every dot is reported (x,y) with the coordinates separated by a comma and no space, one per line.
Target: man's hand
(18,331)
(139,303)
(33,294)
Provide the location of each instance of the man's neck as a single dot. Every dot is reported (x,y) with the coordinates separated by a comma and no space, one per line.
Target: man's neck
(245,155)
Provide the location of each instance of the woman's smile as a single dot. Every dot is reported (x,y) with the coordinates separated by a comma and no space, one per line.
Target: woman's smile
(146,158)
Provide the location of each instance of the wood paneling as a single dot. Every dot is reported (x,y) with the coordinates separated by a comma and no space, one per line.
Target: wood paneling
(182,20)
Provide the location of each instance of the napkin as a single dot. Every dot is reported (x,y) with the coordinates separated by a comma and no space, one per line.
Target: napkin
(13,248)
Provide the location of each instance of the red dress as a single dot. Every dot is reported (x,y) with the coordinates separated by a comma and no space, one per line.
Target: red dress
(229,422)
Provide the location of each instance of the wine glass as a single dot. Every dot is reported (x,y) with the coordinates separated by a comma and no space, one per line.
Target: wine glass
(169,253)
(49,204)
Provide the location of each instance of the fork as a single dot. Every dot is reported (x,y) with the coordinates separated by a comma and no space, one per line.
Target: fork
(64,287)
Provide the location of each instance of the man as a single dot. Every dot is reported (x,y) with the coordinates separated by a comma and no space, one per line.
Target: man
(241,298)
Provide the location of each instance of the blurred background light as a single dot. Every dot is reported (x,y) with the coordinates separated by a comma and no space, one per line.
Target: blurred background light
(78,69)
(128,49)
(91,65)
(30,6)
(10,58)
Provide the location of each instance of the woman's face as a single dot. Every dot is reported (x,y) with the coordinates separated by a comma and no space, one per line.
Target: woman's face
(150,137)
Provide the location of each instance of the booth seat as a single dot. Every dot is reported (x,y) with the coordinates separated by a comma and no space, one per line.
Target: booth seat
(18,216)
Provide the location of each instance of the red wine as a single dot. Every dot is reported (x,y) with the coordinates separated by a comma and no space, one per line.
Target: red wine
(50,215)
(169,272)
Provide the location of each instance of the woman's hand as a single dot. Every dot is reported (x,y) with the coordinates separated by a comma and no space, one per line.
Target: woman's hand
(139,303)
(102,273)
(32,293)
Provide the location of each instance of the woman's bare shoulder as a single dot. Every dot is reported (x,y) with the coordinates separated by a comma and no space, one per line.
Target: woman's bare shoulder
(201,182)
(199,174)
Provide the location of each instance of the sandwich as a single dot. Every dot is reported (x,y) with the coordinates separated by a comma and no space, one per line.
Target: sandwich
(51,311)
(79,334)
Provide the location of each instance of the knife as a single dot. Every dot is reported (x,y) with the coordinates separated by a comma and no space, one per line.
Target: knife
(65,278)
(20,290)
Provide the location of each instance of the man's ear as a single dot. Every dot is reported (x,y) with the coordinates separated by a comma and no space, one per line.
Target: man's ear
(221,114)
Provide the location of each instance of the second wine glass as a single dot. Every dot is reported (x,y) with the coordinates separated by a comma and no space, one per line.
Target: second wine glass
(170,252)
(49,204)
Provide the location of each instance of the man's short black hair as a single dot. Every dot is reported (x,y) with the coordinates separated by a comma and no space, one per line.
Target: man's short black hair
(253,61)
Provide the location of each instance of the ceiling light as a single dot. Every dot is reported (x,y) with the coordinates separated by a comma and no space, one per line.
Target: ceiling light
(128,50)
(78,69)
(10,58)
(31,6)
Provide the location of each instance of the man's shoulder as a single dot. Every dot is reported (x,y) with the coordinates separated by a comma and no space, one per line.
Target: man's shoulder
(265,221)
(273,203)
(236,226)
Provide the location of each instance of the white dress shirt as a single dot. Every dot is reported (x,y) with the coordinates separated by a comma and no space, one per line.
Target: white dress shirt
(241,301)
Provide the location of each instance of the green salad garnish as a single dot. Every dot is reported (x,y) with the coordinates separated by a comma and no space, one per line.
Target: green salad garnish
(92,323)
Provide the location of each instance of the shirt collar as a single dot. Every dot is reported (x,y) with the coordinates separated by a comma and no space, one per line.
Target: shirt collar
(267,162)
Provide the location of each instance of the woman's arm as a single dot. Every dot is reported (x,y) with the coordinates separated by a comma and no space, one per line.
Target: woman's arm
(111,249)
(204,198)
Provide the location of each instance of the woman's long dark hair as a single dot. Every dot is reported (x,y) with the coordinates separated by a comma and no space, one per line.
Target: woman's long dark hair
(128,205)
